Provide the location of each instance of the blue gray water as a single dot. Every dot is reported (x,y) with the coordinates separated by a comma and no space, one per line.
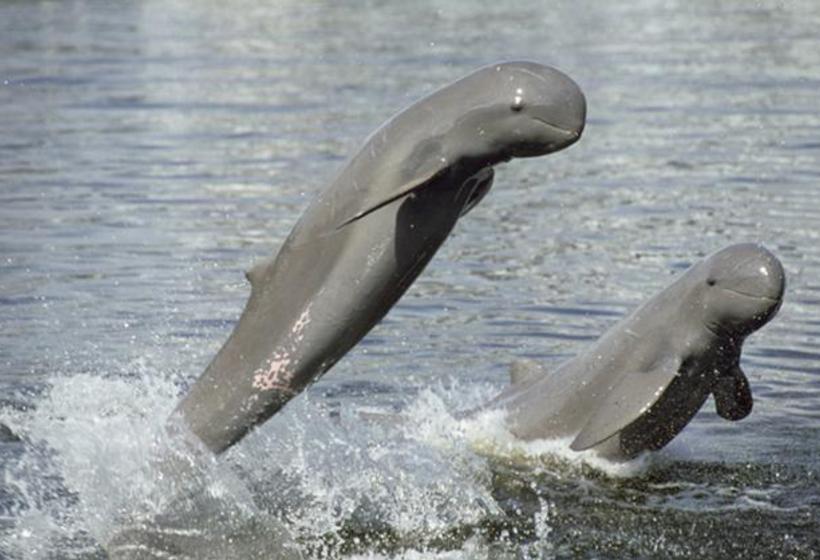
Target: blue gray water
(150,151)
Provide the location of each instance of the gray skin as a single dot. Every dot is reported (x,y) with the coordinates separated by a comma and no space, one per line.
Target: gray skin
(204,527)
(363,241)
(642,382)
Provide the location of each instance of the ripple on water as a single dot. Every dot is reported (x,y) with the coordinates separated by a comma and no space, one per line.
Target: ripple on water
(152,151)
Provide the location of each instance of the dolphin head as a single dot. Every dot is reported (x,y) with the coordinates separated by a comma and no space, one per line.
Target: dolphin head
(742,289)
(518,109)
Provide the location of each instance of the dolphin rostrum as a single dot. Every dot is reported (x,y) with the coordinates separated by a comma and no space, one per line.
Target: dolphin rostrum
(363,241)
(642,382)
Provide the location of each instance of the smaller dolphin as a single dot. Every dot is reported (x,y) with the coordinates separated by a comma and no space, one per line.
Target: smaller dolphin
(639,385)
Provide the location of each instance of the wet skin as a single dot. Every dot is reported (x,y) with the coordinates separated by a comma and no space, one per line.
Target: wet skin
(642,382)
(364,240)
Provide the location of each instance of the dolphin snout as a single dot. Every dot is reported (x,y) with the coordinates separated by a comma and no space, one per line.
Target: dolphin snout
(745,285)
(758,273)
(556,137)
(566,122)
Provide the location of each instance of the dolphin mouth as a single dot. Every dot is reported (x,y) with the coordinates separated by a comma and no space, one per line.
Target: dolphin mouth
(754,296)
(569,134)
(557,138)
(560,137)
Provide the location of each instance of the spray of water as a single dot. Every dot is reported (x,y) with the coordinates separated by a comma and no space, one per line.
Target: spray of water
(99,469)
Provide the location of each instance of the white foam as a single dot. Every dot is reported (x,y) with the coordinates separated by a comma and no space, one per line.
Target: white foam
(98,460)
(103,440)
(486,432)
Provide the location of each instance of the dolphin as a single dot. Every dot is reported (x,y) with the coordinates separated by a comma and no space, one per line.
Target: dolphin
(202,526)
(368,235)
(642,382)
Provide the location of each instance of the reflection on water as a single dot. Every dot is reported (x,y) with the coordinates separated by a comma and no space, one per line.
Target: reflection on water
(149,152)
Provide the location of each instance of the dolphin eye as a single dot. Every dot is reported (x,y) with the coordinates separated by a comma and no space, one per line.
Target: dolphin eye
(711,281)
(518,100)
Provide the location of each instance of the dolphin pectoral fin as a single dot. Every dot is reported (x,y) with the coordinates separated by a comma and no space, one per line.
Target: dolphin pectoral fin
(372,203)
(733,396)
(482,182)
(426,162)
(630,398)
(524,370)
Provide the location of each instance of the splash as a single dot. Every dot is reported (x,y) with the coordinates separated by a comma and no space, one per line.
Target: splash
(100,470)
(487,434)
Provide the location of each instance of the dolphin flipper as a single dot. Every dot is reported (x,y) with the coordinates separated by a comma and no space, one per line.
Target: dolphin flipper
(631,397)
(425,164)
(481,184)
(733,396)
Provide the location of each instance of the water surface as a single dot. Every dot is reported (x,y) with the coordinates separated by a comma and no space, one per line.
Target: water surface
(151,151)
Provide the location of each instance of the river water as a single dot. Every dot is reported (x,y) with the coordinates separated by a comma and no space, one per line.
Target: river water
(151,151)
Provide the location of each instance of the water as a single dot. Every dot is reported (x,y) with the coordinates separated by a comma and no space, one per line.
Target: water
(149,152)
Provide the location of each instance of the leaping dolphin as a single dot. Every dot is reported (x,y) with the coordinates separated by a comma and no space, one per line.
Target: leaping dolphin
(642,382)
(363,241)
